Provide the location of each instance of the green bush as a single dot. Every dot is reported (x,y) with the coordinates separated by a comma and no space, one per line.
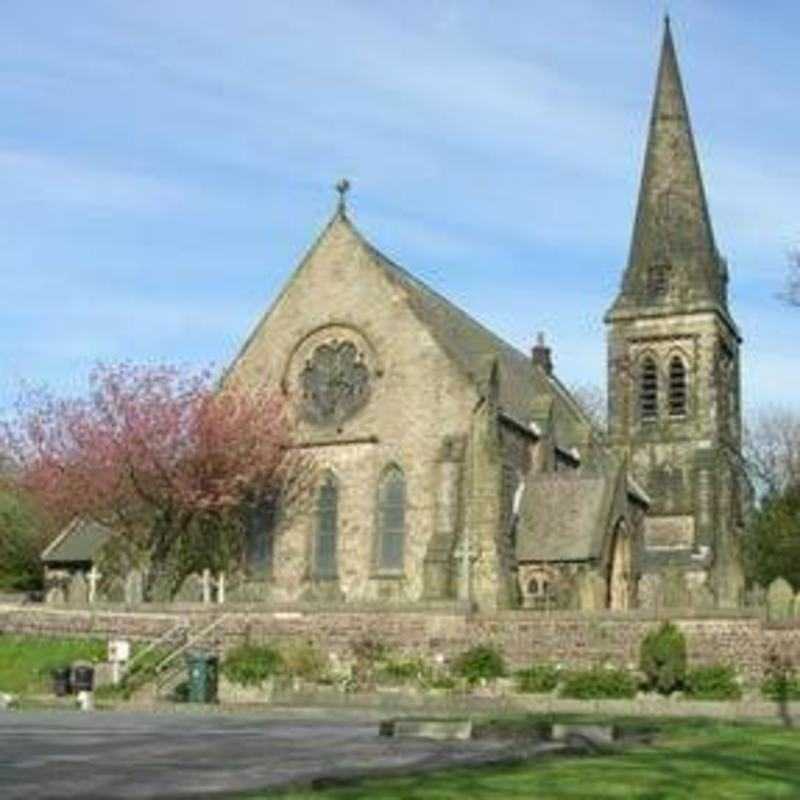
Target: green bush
(251,665)
(401,671)
(441,680)
(537,679)
(20,543)
(368,654)
(717,682)
(302,660)
(662,658)
(482,662)
(780,682)
(781,689)
(598,683)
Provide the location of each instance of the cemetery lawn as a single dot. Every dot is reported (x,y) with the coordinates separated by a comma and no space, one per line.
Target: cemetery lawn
(700,760)
(26,662)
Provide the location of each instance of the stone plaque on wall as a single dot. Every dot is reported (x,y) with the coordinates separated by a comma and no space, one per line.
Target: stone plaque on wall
(672,531)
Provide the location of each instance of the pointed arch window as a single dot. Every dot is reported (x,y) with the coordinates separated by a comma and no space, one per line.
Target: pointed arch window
(391,519)
(648,390)
(261,523)
(678,396)
(327,532)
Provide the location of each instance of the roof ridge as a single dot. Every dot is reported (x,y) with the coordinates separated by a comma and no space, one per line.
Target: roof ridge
(433,292)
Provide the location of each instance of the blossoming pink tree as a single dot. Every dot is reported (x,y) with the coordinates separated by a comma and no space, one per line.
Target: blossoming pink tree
(170,462)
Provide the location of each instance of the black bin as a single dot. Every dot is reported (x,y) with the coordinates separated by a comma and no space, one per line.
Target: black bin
(62,685)
(82,678)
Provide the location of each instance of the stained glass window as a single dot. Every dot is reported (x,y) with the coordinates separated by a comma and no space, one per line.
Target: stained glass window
(327,528)
(260,537)
(335,382)
(391,519)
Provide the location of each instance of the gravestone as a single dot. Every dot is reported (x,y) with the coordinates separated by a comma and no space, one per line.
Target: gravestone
(592,592)
(674,592)
(56,596)
(702,597)
(797,605)
(134,588)
(191,590)
(780,600)
(112,590)
(77,591)
(161,589)
(756,596)
(650,590)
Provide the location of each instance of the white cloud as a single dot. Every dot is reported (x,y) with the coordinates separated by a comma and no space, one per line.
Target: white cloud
(486,142)
(37,179)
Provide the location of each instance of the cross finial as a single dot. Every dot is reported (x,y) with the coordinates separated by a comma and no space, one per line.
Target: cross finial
(343,187)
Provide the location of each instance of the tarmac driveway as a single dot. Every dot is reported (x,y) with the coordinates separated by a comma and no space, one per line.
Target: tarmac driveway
(62,754)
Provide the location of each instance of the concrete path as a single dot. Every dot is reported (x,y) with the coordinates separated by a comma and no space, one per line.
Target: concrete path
(106,755)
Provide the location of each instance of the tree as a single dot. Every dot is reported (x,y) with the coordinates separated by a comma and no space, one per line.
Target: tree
(771,548)
(592,399)
(772,450)
(21,542)
(172,464)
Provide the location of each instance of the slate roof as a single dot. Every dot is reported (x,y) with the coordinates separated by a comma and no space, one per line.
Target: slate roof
(471,345)
(564,517)
(673,224)
(79,541)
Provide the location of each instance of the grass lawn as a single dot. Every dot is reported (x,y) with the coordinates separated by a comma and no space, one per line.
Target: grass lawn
(26,662)
(698,760)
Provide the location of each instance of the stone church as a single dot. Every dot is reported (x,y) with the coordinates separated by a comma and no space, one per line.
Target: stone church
(450,466)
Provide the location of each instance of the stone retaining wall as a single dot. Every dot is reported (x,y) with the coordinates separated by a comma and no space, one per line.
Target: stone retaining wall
(525,637)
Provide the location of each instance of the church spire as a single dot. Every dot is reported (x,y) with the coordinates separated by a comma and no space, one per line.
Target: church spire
(673,259)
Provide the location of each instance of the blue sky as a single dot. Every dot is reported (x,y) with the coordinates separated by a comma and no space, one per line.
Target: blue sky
(165,163)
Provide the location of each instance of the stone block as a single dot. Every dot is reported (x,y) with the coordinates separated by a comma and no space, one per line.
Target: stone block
(421,728)
(592,592)
(701,597)
(780,600)
(77,591)
(191,590)
(593,734)
(134,588)
(674,591)
(113,590)
(230,692)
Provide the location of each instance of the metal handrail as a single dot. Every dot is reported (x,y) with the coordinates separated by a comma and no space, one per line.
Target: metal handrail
(180,627)
(191,640)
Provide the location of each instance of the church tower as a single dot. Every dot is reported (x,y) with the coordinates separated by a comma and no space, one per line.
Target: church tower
(673,362)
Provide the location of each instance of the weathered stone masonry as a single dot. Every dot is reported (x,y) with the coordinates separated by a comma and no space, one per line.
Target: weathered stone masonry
(574,640)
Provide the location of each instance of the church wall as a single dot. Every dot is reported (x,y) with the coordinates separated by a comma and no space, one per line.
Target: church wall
(572,639)
(417,399)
